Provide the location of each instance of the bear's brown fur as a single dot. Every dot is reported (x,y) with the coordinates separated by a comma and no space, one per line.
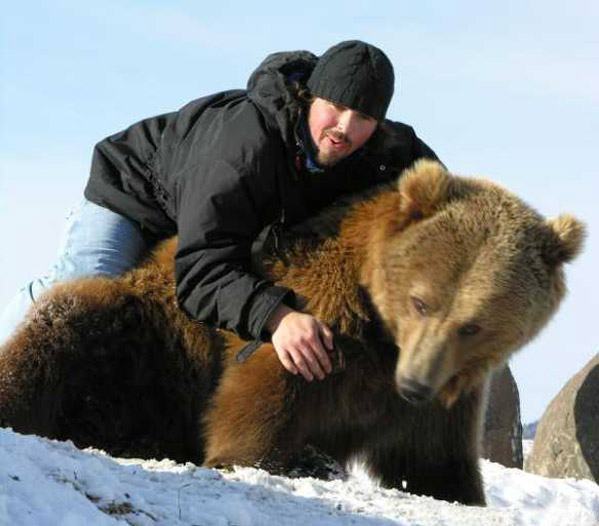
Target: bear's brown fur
(457,273)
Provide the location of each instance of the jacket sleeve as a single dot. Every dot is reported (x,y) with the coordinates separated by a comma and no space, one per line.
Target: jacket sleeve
(121,174)
(401,144)
(421,149)
(219,217)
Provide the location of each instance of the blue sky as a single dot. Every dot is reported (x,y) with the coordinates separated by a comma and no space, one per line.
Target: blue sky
(508,90)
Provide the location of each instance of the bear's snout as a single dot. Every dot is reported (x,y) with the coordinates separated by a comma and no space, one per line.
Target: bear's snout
(413,391)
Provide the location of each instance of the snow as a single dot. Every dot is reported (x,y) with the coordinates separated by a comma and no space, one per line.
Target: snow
(45,482)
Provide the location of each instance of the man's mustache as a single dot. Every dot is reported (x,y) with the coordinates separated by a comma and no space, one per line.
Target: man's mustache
(336,135)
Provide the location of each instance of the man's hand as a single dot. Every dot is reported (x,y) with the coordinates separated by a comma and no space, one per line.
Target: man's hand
(298,341)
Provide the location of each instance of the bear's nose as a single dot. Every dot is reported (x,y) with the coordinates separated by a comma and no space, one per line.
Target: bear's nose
(413,391)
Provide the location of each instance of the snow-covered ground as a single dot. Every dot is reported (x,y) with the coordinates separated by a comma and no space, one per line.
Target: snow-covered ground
(45,483)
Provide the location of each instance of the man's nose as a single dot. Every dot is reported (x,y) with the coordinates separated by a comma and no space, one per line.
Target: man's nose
(346,121)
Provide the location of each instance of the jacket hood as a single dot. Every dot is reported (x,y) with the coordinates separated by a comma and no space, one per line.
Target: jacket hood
(270,88)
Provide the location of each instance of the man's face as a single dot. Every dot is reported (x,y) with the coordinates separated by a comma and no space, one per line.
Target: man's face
(337,131)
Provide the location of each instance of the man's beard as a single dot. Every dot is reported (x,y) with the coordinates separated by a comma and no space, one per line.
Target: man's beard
(331,158)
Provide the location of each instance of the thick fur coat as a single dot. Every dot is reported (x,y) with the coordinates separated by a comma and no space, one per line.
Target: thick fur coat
(428,286)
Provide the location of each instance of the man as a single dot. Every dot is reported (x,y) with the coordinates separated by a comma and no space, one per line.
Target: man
(224,167)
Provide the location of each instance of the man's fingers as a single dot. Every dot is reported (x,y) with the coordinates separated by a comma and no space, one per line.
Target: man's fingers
(301,364)
(301,342)
(321,354)
(285,359)
(327,336)
(314,359)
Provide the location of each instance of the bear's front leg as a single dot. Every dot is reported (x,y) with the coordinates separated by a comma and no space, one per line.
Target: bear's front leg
(453,480)
(250,405)
(428,449)
(458,480)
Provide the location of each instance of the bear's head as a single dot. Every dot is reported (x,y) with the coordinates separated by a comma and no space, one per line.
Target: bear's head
(463,275)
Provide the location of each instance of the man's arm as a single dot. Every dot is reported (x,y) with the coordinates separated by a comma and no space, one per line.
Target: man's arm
(421,149)
(217,222)
(398,143)
(119,174)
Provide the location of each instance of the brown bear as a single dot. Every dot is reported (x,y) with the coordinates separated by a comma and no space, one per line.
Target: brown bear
(428,285)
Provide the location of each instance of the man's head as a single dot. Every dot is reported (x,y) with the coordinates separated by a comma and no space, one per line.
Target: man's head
(352,85)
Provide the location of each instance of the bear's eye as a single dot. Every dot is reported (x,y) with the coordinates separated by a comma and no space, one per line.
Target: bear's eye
(419,305)
(470,329)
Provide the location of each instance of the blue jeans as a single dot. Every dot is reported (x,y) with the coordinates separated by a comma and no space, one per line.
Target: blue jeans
(96,241)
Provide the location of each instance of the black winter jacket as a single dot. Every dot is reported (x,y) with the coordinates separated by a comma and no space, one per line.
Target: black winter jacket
(218,171)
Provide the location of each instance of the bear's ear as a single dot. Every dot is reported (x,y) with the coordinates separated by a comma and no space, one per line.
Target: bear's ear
(567,238)
(423,188)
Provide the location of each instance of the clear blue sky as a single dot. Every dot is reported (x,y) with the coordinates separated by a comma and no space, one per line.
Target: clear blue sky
(509,90)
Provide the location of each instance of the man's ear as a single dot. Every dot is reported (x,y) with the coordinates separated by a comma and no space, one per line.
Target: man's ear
(424,189)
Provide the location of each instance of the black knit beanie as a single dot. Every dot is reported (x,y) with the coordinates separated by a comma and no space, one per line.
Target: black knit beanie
(356,75)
